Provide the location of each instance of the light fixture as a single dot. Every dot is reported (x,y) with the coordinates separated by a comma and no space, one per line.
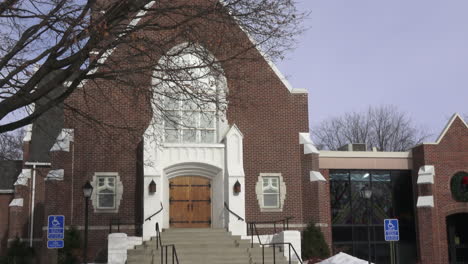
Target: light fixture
(366,192)
(237,187)
(152,187)
(87,189)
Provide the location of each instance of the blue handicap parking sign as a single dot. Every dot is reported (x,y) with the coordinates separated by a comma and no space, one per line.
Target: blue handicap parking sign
(55,244)
(392,232)
(56,227)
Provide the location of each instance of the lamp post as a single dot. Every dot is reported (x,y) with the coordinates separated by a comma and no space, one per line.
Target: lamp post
(87,191)
(366,193)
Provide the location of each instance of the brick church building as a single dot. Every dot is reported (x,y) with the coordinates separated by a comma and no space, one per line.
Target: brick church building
(254,158)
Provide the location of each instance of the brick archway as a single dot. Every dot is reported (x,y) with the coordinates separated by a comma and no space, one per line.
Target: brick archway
(457,237)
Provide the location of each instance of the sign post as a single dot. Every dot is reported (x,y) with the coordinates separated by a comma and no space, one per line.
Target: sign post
(392,234)
(55,231)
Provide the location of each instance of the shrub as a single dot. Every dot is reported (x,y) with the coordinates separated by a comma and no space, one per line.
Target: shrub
(69,254)
(19,253)
(313,243)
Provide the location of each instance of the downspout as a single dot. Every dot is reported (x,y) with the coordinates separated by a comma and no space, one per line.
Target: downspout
(72,182)
(33,195)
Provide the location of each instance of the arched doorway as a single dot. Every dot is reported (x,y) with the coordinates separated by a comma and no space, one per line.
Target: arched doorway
(190,202)
(457,234)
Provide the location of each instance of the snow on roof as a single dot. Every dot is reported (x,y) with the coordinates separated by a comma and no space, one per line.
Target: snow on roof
(343,258)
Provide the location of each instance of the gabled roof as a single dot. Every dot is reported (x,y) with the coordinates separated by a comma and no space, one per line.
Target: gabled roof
(9,171)
(270,63)
(447,127)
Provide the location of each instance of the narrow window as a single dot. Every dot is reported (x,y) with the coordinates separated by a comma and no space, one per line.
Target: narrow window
(106,192)
(271,192)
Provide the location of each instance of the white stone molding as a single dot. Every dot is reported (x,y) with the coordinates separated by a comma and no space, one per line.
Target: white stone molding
(299,91)
(23,177)
(235,172)
(28,133)
(118,192)
(259,192)
(17,202)
(321,225)
(316,176)
(425,201)
(309,146)
(55,175)
(118,244)
(62,143)
(426,174)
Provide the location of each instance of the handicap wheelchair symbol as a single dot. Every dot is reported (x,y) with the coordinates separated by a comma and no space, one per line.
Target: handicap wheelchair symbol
(55,222)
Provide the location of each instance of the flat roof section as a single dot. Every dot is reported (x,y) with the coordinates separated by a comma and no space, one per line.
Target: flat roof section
(366,160)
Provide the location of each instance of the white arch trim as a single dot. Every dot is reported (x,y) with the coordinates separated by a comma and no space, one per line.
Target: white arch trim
(192,169)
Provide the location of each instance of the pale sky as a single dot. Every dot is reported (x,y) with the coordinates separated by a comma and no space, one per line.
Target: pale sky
(409,53)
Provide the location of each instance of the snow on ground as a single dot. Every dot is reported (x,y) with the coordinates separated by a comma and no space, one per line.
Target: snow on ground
(343,258)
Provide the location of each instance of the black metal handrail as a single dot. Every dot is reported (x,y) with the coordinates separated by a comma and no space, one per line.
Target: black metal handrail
(253,229)
(151,216)
(284,221)
(175,258)
(229,210)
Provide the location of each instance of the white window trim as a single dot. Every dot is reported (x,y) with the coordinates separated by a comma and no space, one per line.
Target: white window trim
(118,192)
(259,192)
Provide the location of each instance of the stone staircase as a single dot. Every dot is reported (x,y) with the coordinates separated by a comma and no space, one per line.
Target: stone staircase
(203,246)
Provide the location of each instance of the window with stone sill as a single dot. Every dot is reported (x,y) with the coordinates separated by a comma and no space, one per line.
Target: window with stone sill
(271,192)
(106,192)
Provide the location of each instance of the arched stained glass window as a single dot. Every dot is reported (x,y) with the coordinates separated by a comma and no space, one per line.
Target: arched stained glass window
(190,100)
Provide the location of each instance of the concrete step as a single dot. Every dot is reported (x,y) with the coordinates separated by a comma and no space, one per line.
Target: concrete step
(203,246)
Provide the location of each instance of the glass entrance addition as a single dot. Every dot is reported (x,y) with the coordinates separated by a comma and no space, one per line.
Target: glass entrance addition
(391,198)
(457,235)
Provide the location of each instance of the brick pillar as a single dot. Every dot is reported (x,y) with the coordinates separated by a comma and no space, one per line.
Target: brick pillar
(316,197)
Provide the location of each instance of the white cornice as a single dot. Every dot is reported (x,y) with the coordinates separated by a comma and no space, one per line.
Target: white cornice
(365,154)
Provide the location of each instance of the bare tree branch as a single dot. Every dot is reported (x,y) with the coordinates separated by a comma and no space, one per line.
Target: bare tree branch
(95,40)
(383,127)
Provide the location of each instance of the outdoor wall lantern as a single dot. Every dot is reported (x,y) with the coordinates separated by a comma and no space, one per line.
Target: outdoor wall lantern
(152,187)
(237,187)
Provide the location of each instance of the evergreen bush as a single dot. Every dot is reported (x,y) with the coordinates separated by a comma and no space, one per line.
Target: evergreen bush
(69,254)
(18,253)
(313,243)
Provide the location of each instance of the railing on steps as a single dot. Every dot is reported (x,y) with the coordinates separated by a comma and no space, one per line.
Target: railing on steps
(118,223)
(254,232)
(229,210)
(164,248)
(284,222)
(153,215)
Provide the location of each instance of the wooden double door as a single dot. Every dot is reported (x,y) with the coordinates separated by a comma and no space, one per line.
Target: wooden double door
(190,202)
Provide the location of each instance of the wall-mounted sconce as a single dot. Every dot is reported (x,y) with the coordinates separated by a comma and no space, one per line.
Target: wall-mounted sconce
(237,187)
(152,187)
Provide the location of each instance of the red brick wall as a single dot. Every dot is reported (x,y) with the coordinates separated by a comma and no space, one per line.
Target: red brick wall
(268,115)
(448,157)
(5,200)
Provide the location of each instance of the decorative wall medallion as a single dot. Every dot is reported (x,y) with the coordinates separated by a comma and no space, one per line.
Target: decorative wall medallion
(459,186)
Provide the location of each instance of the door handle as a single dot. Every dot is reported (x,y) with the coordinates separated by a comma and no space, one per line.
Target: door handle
(188,207)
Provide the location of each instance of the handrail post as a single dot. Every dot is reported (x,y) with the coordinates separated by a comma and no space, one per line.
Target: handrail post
(289,247)
(263,255)
(251,235)
(274,227)
(274,254)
